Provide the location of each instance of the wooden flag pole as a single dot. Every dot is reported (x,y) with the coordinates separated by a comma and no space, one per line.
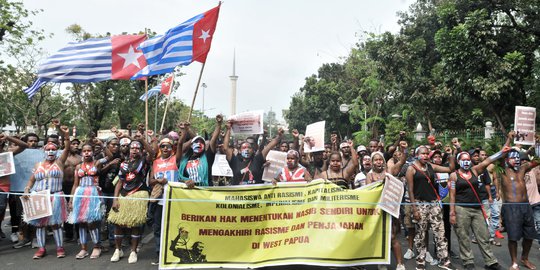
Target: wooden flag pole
(146,107)
(167,104)
(196,91)
(155,113)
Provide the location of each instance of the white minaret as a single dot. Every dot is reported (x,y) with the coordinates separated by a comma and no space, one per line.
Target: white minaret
(234,78)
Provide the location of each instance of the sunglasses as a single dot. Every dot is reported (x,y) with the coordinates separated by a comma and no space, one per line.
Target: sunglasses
(165,146)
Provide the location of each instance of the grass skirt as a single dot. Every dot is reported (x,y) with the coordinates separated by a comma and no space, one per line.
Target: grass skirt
(87,209)
(59,214)
(131,213)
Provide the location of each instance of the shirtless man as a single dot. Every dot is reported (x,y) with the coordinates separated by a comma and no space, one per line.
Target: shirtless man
(69,172)
(516,210)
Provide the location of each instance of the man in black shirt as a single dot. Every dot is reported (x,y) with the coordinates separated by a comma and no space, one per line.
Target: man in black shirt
(247,166)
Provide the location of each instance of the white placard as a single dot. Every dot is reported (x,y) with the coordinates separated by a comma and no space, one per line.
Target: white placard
(248,123)
(278,161)
(314,138)
(392,195)
(7,165)
(525,125)
(38,205)
(221,166)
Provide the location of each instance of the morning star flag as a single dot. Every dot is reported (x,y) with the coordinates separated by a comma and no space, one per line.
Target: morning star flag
(152,92)
(180,46)
(166,85)
(92,60)
(164,88)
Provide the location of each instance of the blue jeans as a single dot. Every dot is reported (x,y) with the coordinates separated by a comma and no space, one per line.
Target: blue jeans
(494,213)
(536,215)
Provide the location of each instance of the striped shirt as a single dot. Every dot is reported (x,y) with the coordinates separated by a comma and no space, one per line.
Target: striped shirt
(48,178)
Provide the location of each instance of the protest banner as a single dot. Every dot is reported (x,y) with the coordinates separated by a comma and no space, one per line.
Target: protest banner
(277,160)
(525,125)
(24,165)
(248,122)
(221,166)
(314,139)
(392,195)
(7,164)
(38,205)
(316,223)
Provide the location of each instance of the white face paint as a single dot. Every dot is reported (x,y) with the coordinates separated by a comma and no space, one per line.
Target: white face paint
(465,164)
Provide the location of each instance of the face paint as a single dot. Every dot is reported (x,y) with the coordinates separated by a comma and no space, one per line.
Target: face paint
(196,147)
(50,154)
(245,153)
(514,156)
(465,164)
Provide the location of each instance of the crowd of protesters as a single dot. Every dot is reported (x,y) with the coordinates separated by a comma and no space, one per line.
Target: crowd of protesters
(116,188)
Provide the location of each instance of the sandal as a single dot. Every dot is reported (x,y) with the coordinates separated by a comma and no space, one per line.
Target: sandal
(495,243)
(96,252)
(82,254)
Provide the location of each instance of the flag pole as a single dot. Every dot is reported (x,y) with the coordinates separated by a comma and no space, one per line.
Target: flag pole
(196,90)
(167,104)
(146,107)
(155,113)
(146,101)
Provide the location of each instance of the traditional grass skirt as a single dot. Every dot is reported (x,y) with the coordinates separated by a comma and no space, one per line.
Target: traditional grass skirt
(131,212)
(59,214)
(88,207)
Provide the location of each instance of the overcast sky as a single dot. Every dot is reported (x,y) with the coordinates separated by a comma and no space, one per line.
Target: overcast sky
(278,43)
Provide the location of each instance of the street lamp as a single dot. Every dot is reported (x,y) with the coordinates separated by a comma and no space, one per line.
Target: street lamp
(344,108)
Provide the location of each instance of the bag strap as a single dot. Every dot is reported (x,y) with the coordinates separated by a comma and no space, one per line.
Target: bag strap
(429,181)
(475,194)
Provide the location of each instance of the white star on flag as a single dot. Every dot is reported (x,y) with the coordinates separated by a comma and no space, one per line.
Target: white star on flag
(131,57)
(205,35)
(166,83)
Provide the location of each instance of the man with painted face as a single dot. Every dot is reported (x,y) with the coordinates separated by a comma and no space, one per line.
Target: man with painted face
(426,208)
(197,157)
(466,209)
(293,172)
(516,210)
(247,167)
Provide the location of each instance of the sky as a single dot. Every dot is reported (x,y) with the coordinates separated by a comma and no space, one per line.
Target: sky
(277,43)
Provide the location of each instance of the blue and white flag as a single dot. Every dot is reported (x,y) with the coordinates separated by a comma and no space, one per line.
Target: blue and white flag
(152,92)
(92,60)
(180,46)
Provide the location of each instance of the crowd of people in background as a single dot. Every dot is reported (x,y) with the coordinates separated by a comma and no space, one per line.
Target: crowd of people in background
(116,188)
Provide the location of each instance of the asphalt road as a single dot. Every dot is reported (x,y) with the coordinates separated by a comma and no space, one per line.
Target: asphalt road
(22,258)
